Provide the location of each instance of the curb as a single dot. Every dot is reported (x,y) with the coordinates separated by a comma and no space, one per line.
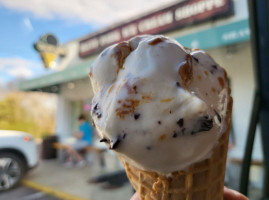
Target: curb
(50,191)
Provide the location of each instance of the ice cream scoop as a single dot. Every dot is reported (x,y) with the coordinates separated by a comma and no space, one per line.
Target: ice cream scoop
(159,105)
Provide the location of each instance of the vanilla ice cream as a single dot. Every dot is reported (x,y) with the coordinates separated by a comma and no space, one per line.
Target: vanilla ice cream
(158,104)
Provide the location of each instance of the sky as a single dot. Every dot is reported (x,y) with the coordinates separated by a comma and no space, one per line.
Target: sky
(24,21)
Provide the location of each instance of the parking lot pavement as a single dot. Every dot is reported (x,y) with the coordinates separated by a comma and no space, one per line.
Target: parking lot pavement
(79,183)
(25,193)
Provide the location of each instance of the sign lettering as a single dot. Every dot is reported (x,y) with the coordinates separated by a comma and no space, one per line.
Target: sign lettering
(164,20)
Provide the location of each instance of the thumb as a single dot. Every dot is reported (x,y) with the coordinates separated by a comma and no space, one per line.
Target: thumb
(233,195)
(135,197)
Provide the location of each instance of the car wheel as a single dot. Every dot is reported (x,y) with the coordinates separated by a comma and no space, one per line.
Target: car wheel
(12,168)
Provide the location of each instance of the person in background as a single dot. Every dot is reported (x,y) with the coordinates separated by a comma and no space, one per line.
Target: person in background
(84,138)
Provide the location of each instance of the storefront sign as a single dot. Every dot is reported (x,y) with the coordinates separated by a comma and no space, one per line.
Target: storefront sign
(49,50)
(167,19)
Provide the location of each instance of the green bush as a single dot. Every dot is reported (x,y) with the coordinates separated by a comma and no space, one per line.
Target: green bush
(27,112)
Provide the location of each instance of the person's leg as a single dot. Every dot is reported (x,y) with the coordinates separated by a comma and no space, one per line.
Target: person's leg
(73,153)
(77,146)
(69,157)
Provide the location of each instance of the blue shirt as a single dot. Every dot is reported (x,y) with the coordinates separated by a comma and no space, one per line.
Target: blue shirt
(87,132)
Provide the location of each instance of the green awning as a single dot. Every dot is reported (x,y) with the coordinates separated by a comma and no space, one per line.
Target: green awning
(231,33)
(69,74)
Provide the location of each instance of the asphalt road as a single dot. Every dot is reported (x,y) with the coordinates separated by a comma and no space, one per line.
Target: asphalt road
(25,193)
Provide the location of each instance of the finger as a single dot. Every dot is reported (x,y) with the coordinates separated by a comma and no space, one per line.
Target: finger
(233,195)
(135,197)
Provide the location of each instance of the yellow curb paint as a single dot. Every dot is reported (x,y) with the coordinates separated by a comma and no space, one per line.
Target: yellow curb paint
(50,191)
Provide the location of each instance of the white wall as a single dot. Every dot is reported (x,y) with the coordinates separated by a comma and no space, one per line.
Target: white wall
(77,90)
(63,117)
(237,60)
(71,94)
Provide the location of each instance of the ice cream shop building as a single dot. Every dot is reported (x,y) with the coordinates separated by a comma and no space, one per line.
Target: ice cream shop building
(220,27)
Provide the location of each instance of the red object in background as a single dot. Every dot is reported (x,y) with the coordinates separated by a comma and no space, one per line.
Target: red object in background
(87,107)
(27,138)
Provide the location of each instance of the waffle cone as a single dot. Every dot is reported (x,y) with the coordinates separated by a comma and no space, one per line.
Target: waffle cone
(202,181)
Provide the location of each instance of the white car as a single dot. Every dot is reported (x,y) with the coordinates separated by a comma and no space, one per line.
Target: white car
(18,154)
